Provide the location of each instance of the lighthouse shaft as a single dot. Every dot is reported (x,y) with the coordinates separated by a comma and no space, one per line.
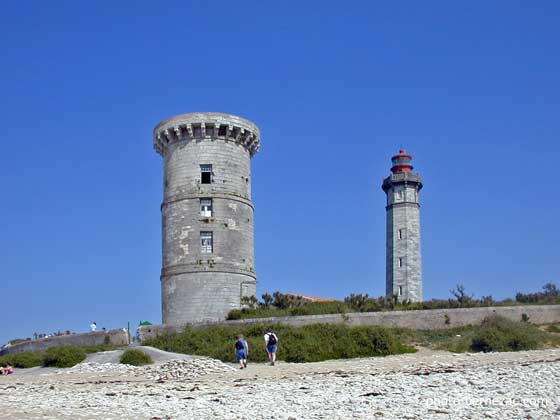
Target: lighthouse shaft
(404,257)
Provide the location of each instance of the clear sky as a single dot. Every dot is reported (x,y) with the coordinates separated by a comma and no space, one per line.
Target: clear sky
(470,89)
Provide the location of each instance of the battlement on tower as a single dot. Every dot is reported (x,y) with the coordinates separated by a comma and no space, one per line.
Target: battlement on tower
(200,126)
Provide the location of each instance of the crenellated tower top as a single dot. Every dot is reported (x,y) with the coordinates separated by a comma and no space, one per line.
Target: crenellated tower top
(199,126)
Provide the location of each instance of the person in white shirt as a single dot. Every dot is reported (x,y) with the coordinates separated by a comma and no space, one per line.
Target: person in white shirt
(93,326)
(271,345)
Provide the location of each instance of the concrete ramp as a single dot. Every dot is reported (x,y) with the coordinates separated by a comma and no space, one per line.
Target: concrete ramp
(157,355)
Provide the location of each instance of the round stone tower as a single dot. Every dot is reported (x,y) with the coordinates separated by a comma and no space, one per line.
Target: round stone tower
(404,257)
(207,215)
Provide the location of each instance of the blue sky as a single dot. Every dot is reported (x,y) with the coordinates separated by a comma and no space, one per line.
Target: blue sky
(471,90)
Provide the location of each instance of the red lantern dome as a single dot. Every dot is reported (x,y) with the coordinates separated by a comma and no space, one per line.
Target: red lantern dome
(401,162)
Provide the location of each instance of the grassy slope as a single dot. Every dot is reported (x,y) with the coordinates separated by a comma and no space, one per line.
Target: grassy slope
(310,343)
(326,341)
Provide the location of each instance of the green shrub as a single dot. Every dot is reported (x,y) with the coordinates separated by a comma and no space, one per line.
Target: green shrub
(22,360)
(96,348)
(320,308)
(310,343)
(489,339)
(500,334)
(136,357)
(456,344)
(555,328)
(64,356)
(494,334)
(234,314)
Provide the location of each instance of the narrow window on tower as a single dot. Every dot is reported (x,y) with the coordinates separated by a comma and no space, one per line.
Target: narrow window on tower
(206,207)
(400,234)
(197,131)
(400,290)
(400,195)
(205,174)
(400,262)
(206,242)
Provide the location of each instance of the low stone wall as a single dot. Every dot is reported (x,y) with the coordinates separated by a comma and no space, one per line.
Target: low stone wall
(435,319)
(118,337)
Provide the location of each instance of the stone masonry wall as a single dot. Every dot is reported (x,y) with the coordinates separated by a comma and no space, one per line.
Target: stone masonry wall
(118,337)
(200,297)
(420,320)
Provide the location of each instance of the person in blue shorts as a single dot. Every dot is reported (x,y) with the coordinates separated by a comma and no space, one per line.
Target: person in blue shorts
(271,345)
(241,351)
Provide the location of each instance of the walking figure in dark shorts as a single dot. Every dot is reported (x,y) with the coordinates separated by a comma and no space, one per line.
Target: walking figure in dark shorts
(271,345)
(241,351)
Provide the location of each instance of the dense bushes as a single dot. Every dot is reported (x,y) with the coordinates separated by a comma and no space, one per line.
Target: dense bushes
(310,343)
(319,342)
(64,356)
(500,334)
(494,334)
(279,304)
(96,348)
(135,357)
(550,294)
(26,359)
(555,328)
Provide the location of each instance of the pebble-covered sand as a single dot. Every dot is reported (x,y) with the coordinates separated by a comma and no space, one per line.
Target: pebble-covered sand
(426,385)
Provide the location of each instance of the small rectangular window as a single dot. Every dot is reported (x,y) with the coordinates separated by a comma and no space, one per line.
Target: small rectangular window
(400,262)
(209,130)
(206,242)
(206,207)
(205,174)
(400,290)
(197,130)
(400,234)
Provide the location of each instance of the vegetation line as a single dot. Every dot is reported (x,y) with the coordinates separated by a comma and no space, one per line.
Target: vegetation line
(279,304)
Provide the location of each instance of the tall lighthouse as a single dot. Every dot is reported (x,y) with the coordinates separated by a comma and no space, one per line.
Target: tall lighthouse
(403,274)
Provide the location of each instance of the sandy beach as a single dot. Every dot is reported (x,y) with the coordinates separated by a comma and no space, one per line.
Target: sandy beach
(425,385)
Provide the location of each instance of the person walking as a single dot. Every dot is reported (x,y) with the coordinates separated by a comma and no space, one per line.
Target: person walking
(271,345)
(93,326)
(241,351)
